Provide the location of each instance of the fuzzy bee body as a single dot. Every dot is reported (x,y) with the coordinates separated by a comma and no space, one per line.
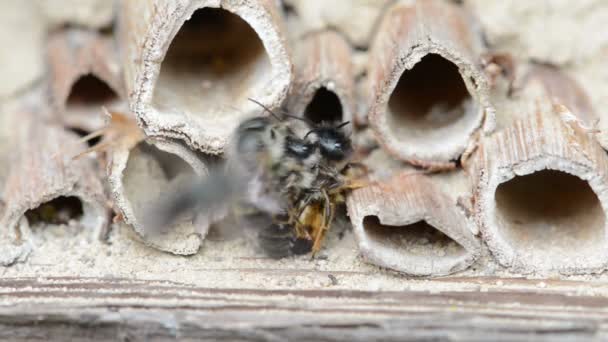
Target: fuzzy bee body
(290,171)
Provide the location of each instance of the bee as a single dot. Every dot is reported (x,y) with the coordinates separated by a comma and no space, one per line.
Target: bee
(336,176)
(283,170)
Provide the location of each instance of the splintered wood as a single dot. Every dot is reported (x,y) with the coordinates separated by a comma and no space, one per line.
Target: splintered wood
(410,225)
(541,190)
(42,179)
(191,66)
(427,95)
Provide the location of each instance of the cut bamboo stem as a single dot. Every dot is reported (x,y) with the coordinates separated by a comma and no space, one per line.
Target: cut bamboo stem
(191,65)
(45,185)
(427,92)
(564,90)
(324,87)
(139,176)
(409,224)
(355,19)
(542,193)
(84,76)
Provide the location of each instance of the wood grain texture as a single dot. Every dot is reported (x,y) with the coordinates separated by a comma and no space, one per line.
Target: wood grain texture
(141,174)
(72,55)
(396,241)
(201,98)
(427,94)
(140,310)
(323,61)
(541,190)
(42,169)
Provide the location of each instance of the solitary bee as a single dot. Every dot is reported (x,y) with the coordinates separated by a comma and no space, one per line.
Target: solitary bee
(285,171)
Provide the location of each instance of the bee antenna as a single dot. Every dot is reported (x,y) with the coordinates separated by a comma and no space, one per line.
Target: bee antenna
(309,122)
(307,134)
(265,108)
(342,124)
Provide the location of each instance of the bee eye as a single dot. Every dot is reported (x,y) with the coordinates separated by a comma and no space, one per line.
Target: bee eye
(297,148)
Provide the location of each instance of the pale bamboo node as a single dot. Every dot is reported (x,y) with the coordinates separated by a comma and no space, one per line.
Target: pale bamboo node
(191,65)
(45,185)
(324,85)
(427,92)
(541,193)
(84,75)
(411,225)
(141,175)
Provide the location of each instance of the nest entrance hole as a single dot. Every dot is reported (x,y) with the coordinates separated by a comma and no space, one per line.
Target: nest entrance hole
(60,210)
(214,63)
(90,91)
(430,103)
(550,216)
(324,106)
(151,173)
(418,239)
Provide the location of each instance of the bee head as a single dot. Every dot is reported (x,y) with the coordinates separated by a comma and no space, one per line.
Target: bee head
(298,148)
(333,143)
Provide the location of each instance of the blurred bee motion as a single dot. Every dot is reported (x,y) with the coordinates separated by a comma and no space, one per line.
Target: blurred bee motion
(286,172)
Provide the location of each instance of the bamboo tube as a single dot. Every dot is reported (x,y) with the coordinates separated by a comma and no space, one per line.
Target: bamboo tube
(323,88)
(44,184)
(84,76)
(427,92)
(355,19)
(542,192)
(191,65)
(564,90)
(410,224)
(139,176)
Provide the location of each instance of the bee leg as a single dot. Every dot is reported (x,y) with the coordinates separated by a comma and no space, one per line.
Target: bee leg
(357,184)
(278,240)
(327,218)
(300,226)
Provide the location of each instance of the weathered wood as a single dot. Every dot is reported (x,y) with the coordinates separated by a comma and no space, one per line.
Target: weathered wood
(409,224)
(198,92)
(94,14)
(139,175)
(427,94)
(42,170)
(139,310)
(542,190)
(323,88)
(356,20)
(22,62)
(76,56)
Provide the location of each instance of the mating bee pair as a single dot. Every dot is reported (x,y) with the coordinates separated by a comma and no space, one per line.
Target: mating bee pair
(289,170)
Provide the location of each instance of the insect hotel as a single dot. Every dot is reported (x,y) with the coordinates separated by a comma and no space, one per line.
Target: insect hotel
(477,129)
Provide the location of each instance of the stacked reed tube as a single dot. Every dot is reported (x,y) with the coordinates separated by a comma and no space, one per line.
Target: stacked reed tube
(463,170)
(532,184)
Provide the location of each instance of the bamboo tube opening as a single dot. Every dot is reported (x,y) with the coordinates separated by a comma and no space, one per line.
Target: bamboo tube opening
(150,173)
(214,63)
(550,215)
(86,98)
(430,104)
(90,91)
(60,210)
(417,240)
(324,106)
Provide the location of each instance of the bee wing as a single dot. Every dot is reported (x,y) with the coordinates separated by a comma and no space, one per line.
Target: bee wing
(215,191)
